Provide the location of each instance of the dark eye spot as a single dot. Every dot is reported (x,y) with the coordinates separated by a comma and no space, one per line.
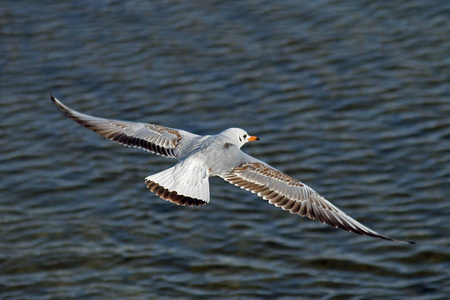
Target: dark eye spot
(245,136)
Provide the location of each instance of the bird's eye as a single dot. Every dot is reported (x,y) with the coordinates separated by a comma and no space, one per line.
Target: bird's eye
(245,136)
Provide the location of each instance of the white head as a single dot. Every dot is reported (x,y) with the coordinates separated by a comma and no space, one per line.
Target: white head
(238,136)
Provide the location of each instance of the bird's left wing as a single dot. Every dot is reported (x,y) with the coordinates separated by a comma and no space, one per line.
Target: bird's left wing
(290,194)
(157,139)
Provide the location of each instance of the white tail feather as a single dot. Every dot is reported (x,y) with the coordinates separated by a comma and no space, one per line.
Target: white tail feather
(188,178)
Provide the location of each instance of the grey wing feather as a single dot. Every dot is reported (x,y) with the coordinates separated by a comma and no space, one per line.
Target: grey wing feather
(157,139)
(292,195)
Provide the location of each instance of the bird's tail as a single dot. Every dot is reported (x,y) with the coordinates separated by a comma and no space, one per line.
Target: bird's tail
(186,183)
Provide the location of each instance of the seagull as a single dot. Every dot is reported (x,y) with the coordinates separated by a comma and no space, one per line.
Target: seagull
(200,157)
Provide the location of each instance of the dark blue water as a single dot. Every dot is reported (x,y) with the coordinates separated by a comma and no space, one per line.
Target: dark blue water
(351,98)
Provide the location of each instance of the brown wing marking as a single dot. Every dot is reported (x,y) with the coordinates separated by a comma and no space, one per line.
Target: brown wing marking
(292,195)
(153,138)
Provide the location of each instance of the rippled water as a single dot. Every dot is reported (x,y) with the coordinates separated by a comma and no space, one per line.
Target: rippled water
(351,98)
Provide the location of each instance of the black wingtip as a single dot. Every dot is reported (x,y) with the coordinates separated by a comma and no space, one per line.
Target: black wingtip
(391,239)
(52,97)
(401,242)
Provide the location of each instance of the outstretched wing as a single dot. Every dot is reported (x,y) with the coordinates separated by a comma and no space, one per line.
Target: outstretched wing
(292,195)
(157,139)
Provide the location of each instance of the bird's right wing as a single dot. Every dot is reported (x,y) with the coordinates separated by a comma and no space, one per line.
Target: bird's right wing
(157,139)
(292,195)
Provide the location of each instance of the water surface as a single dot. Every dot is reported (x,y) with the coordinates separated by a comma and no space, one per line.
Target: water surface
(351,98)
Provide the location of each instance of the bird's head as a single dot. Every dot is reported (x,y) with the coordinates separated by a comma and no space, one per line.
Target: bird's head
(238,136)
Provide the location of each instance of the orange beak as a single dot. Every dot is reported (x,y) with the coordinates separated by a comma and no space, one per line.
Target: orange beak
(253,138)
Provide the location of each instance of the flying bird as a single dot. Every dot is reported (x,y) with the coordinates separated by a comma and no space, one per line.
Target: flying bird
(200,157)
